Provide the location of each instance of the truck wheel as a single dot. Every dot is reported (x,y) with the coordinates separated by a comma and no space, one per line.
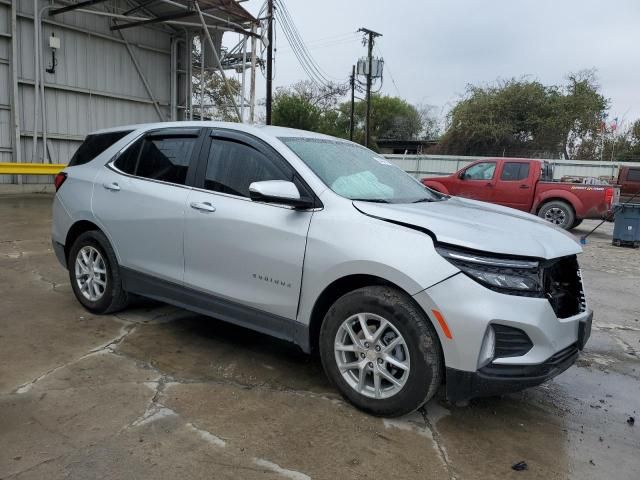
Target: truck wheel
(381,351)
(95,275)
(559,213)
(576,223)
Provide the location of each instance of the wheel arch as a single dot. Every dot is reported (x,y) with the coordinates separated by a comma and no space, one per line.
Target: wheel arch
(437,186)
(557,197)
(337,289)
(77,229)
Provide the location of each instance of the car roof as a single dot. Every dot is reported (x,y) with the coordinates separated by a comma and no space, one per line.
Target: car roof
(260,130)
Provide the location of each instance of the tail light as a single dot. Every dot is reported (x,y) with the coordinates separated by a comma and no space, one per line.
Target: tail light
(608,196)
(59,180)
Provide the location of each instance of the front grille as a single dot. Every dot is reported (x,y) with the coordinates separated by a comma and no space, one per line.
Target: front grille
(563,286)
(553,365)
(510,342)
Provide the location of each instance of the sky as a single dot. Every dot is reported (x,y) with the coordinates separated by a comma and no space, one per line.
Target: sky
(433,49)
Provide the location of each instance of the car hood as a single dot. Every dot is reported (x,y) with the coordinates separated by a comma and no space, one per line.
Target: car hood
(479,226)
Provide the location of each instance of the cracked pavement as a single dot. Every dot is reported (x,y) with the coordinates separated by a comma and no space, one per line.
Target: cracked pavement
(159,392)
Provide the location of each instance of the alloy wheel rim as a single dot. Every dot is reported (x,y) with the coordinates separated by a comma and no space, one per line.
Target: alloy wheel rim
(372,355)
(555,215)
(91,273)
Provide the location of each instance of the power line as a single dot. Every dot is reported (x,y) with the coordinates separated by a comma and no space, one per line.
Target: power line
(388,71)
(306,60)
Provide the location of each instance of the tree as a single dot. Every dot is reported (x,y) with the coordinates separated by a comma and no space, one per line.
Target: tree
(291,110)
(305,105)
(525,117)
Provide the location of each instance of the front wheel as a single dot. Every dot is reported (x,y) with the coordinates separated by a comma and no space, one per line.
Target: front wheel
(559,213)
(381,351)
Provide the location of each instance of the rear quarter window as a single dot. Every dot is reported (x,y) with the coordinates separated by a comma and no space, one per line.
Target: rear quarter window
(94,145)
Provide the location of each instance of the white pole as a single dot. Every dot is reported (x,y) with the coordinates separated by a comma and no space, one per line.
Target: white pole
(215,55)
(201,78)
(36,94)
(252,87)
(244,69)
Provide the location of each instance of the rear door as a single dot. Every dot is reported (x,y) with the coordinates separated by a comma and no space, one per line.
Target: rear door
(513,185)
(140,199)
(477,182)
(244,252)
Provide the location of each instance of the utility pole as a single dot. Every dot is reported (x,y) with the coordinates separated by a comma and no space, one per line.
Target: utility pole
(353,93)
(252,88)
(371,35)
(269,59)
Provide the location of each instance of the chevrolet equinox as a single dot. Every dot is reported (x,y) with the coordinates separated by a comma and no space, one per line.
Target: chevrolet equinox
(326,244)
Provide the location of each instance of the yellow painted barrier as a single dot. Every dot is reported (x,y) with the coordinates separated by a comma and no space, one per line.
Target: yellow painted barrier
(7,168)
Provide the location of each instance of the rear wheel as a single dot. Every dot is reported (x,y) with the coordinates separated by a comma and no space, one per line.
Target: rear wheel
(380,351)
(559,213)
(95,275)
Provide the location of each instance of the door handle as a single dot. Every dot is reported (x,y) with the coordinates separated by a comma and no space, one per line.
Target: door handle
(203,206)
(524,186)
(489,184)
(114,187)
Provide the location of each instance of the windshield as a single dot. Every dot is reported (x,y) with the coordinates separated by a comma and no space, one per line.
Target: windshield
(357,173)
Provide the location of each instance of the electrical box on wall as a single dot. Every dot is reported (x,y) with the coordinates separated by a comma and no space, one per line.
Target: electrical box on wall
(54,42)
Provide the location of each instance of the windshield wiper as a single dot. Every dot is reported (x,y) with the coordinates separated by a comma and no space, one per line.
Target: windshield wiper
(424,200)
(372,200)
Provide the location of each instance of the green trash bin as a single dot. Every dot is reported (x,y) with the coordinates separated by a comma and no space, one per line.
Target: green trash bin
(626,230)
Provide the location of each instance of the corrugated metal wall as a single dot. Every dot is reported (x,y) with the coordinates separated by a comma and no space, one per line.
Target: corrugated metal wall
(438,165)
(95,85)
(5,84)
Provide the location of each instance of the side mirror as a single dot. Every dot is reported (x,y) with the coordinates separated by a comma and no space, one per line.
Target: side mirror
(278,191)
(462,175)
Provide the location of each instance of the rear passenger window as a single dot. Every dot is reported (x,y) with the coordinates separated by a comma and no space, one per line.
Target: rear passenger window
(514,171)
(232,166)
(128,160)
(633,175)
(165,159)
(94,145)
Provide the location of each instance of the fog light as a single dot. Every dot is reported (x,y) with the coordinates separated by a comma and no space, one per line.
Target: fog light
(488,348)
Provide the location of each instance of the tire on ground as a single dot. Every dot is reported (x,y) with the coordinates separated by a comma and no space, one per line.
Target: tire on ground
(559,213)
(576,223)
(425,353)
(114,297)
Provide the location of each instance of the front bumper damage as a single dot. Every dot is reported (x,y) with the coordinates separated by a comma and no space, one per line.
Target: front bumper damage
(501,378)
(469,310)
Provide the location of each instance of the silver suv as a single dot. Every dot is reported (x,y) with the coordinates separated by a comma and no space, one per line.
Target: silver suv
(328,245)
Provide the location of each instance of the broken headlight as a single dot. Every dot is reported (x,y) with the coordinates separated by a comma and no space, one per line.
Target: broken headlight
(504,274)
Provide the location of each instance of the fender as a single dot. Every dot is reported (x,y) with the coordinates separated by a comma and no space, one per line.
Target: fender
(558,194)
(438,186)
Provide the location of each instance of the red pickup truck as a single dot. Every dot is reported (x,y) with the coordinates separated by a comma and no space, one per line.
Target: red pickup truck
(528,185)
(629,181)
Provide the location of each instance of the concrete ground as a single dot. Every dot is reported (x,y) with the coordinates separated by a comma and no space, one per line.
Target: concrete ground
(158,392)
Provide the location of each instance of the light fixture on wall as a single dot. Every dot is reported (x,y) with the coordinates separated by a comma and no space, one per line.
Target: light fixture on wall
(54,44)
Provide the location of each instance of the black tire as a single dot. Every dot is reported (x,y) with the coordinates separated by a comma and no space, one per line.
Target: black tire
(114,297)
(559,213)
(576,223)
(425,353)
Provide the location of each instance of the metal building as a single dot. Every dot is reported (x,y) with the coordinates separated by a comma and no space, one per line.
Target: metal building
(71,67)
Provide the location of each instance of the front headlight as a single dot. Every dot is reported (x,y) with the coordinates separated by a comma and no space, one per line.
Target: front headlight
(508,275)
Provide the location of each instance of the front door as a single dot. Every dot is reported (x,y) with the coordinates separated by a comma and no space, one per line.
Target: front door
(140,200)
(477,182)
(244,252)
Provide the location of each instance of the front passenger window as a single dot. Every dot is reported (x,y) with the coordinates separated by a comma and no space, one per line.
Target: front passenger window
(480,171)
(233,166)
